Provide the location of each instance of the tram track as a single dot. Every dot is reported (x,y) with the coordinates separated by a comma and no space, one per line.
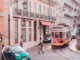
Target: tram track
(67,53)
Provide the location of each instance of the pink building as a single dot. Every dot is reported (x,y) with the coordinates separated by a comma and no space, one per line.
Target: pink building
(29,21)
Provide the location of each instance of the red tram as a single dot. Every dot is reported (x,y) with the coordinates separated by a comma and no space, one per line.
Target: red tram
(60,36)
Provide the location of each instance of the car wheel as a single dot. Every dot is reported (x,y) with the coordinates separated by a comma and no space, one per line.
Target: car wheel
(13,58)
(2,58)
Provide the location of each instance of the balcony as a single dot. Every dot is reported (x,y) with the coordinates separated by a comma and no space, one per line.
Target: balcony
(51,2)
(17,12)
(37,15)
(48,17)
(26,14)
(25,2)
(67,3)
(45,17)
(54,18)
(42,16)
(31,14)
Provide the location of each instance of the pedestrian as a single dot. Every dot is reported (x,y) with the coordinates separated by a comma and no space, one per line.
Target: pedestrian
(40,47)
(21,44)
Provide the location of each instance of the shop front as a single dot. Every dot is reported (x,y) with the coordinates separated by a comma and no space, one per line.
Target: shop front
(44,28)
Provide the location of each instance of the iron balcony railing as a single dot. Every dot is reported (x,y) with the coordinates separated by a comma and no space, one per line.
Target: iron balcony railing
(25,2)
(37,15)
(25,13)
(17,12)
(50,2)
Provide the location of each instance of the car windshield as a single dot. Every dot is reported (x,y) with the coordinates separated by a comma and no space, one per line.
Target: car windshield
(17,49)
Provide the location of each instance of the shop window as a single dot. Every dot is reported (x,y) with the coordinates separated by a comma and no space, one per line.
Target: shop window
(16,31)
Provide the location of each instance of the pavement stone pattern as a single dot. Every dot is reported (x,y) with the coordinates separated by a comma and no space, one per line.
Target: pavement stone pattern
(53,54)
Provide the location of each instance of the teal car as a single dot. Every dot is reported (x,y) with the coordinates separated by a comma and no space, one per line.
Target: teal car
(16,53)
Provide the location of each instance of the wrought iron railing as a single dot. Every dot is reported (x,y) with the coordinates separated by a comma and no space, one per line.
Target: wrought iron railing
(22,13)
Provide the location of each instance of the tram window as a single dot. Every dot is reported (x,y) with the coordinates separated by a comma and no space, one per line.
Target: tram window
(56,34)
(67,35)
(53,34)
(60,35)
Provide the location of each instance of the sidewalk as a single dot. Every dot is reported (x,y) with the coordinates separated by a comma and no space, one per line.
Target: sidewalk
(72,45)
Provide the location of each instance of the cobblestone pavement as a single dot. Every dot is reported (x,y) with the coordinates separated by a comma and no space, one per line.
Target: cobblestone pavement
(51,54)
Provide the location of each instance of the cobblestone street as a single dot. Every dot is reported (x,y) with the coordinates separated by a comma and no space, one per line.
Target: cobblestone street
(49,54)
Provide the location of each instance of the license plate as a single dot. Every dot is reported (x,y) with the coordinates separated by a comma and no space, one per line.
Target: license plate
(24,59)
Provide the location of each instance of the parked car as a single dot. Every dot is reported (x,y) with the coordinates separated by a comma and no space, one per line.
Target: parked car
(47,38)
(14,53)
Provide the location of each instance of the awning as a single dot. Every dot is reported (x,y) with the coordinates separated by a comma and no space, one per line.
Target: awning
(47,23)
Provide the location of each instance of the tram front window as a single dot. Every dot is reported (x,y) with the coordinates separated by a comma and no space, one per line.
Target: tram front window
(60,35)
(56,35)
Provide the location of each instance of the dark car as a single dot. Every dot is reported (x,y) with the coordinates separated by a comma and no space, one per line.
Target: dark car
(47,38)
(14,53)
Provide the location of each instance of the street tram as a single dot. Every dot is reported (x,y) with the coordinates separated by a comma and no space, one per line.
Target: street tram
(60,36)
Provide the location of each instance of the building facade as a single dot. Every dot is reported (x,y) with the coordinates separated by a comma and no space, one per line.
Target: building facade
(67,12)
(29,21)
(1,23)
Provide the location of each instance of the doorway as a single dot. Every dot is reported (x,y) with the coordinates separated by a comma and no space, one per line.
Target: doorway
(35,30)
(44,31)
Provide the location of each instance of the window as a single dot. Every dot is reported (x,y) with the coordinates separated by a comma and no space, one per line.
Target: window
(23,36)
(39,10)
(23,30)
(30,32)
(53,13)
(23,23)
(56,34)
(29,8)
(29,23)
(52,34)
(60,35)
(16,3)
(34,9)
(48,11)
(16,31)
(16,6)
(43,10)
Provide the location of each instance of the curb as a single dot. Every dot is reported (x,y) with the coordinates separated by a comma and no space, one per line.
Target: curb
(73,50)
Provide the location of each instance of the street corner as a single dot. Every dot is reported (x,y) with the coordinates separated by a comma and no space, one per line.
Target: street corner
(72,46)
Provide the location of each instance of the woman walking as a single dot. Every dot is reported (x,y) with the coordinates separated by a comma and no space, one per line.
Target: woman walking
(40,47)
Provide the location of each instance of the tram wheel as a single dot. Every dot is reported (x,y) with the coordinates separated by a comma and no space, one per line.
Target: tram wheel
(52,47)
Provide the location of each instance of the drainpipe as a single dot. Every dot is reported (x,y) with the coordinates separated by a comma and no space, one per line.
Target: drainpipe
(9,28)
